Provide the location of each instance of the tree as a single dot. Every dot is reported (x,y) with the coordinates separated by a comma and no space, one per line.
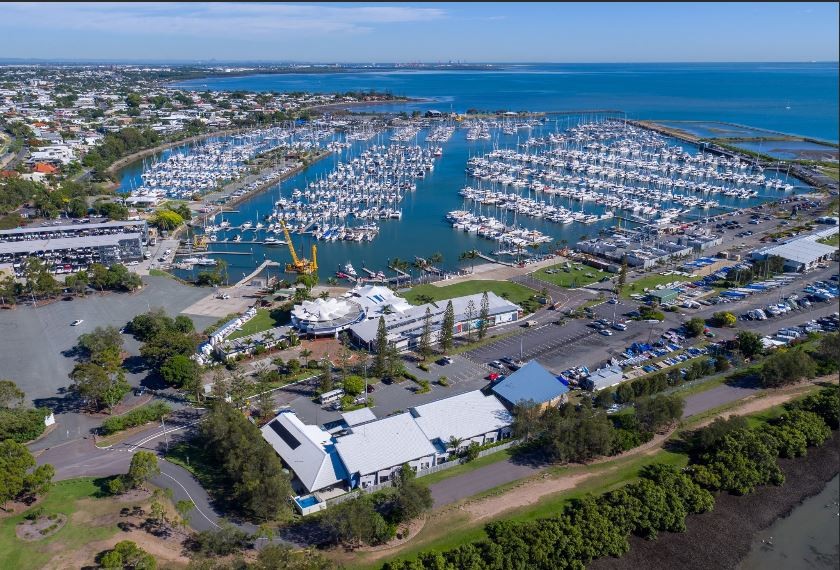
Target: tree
(740,462)
(622,276)
(471,255)
(354,385)
(15,461)
(96,384)
(448,327)
(102,346)
(425,344)
(223,541)
(786,367)
(484,316)
(166,220)
(126,554)
(695,327)
(526,420)
(381,347)
(249,466)
(724,319)
(655,412)
(326,383)
(749,343)
(356,522)
(180,371)
(413,498)
(10,394)
(143,467)
(470,318)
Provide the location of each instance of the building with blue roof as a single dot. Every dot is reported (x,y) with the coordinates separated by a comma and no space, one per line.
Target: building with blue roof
(531,382)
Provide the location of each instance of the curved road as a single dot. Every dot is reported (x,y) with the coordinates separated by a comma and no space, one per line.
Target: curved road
(81,458)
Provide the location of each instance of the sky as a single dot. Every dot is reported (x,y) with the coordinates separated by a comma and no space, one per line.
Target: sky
(421,32)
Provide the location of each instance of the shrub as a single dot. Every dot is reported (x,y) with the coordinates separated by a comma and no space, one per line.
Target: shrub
(424,367)
(138,416)
(424,387)
(443,381)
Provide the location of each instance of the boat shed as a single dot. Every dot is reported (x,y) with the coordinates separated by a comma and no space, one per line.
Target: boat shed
(534,383)
(803,253)
(664,296)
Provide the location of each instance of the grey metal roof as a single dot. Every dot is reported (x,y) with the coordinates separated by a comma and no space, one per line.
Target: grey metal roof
(71,227)
(382,444)
(29,246)
(462,416)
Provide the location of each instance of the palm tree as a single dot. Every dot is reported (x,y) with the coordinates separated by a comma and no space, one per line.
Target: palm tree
(455,443)
(471,255)
(436,257)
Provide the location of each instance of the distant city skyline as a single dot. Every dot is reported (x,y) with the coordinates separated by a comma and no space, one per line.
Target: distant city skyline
(425,32)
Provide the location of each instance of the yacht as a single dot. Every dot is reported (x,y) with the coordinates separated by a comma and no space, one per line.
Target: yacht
(350,270)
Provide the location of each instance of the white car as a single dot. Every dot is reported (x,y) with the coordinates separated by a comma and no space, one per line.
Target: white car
(606,332)
(497,364)
(77,322)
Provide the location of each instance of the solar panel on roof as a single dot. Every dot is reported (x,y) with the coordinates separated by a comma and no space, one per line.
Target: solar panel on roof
(284,434)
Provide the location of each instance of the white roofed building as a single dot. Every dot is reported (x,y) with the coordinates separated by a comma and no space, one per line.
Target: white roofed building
(321,317)
(307,450)
(374,451)
(469,417)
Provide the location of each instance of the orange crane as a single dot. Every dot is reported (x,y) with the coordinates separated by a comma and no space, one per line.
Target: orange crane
(303,266)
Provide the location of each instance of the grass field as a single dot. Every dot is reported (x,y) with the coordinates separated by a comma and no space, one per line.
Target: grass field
(454,528)
(66,497)
(831,240)
(649,282)
(262,321)
(576,276)
(512,291)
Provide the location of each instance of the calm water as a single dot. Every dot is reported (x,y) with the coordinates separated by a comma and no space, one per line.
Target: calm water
(751,94)
(808,538)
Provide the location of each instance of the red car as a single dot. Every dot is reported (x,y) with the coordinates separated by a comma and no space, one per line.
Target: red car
(493,376)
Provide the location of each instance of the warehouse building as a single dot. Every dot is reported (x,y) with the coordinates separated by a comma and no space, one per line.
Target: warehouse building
(801,254)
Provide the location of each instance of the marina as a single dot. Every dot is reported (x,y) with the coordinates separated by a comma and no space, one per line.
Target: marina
(509,196)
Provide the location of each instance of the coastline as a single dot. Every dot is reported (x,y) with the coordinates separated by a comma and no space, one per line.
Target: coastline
(724,537)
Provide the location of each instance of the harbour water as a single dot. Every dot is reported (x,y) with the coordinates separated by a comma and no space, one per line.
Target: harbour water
(757,95)
(807,538)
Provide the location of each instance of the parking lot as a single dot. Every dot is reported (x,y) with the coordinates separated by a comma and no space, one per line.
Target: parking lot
(462,376)
(37,341)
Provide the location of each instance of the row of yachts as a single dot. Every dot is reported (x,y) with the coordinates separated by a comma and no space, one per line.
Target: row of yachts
(491,228)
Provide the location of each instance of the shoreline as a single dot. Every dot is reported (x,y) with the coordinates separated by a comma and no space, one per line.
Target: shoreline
(732,526)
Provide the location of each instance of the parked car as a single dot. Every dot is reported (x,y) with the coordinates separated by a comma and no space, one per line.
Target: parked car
(370,388)
(445,360)
(497,364)
(77,322)
(606,332)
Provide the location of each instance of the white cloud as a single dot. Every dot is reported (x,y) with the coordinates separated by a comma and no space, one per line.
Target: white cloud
(225,20)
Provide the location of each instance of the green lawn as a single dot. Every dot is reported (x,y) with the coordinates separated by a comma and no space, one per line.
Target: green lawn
(62,498)
(831,240)
(577,275)
(512,291)
(649,282)
(262,321)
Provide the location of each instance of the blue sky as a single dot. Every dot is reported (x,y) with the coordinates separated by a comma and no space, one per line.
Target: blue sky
(372,33)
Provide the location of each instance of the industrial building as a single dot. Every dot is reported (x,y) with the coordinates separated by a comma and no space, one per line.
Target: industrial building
(68,255)
(803,253)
